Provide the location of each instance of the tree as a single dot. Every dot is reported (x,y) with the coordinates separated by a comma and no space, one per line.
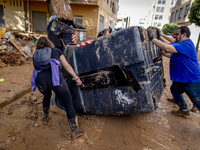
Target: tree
(169,28)
(194,17)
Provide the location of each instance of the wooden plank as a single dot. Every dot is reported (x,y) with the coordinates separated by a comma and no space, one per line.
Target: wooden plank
(17,47)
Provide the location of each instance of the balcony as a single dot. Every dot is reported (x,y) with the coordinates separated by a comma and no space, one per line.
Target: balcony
(85,2)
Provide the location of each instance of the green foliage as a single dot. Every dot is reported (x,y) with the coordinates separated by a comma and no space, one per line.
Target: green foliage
(151,27)
(194,15)
(169,28)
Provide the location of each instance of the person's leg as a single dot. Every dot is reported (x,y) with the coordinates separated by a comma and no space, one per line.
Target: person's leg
(193,92)
(44,85)
(177,89)
(63,93)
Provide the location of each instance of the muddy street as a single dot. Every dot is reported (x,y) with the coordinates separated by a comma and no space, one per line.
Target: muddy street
(21,126)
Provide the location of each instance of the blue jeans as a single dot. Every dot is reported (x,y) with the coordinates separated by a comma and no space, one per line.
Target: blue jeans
(191,89)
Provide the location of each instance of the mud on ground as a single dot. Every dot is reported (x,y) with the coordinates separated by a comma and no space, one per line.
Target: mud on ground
(21,128)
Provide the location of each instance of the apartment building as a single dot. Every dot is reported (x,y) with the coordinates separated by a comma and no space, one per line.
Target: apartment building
(95,15)
(24,15)
(180,12)
(33,15)
(161,12)
(145,22)
(179,16)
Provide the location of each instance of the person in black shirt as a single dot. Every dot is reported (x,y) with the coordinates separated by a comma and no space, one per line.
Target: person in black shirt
(44,84)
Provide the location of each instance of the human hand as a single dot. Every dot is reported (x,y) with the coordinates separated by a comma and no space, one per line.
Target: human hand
(151,33)
(78,80)
(158,32)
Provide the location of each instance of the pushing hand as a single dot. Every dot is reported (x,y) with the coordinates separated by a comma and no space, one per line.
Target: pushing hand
(78,80)
(151,34)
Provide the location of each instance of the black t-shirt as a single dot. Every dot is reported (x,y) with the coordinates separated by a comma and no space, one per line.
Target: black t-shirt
(56,53)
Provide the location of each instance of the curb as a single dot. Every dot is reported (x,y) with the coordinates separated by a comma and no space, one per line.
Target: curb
(15,97)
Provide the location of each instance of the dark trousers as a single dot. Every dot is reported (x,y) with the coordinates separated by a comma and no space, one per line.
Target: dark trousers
(45,86)
(191,89)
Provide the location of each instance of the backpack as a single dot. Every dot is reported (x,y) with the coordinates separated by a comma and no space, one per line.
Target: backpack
(41,58)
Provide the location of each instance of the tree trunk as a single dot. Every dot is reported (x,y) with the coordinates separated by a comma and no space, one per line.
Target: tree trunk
(197,46)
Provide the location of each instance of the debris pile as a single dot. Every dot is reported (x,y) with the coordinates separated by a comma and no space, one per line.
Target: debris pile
(15,47)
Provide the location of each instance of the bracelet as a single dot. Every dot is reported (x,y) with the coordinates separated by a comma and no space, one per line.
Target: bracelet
(152,39)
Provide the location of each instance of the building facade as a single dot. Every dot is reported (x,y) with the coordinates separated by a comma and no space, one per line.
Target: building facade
(24,15)
(179,16)
(33,15)
(161,12)
(180,12)
(145,22)
(95,15)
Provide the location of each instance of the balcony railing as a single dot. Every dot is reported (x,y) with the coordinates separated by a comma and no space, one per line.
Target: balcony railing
(89,2)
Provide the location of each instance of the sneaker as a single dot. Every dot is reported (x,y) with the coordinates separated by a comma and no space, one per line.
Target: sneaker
(181,113)
(171,100)
(194,109)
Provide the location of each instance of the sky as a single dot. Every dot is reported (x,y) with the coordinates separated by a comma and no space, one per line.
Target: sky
(136,9)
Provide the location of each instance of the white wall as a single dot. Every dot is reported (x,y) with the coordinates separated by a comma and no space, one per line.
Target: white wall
(165,14)
(194,33)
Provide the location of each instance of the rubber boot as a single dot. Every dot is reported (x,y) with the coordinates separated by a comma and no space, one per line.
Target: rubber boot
(76,132)
(46,115)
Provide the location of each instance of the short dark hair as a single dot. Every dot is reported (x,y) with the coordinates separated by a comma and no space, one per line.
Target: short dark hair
(44,42)
(100,34)
(105,30)
(184,29)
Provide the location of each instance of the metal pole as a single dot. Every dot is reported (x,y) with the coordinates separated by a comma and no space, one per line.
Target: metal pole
(28,17)
(126,22)
(152,15)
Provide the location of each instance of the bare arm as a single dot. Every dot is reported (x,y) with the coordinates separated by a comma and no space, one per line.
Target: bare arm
(164,40)
(163,46)
(168,55)
(168,38)
(67,66)
(70,70)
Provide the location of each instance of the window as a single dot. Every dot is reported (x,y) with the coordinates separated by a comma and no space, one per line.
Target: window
(155,24)
(107,1)
(176,15)
(172,2)
(13,2)
(169,18)
(186,10)
(78,19)
(162,9)
(172,16)
(159,1)
(163,2)
(110,4)
(179,1)
(101,22)
(17,3)
(111,24)
(156,17)
(159,24)
(158,9)
(180,13)
(20,3)
(170,10)
(160,17)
